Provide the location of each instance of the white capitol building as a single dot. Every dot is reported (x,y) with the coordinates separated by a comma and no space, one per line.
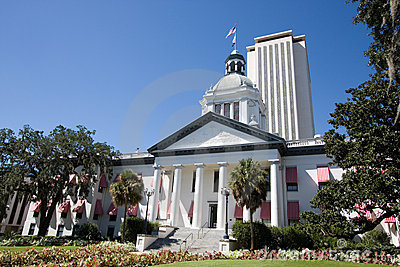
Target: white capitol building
(266,115)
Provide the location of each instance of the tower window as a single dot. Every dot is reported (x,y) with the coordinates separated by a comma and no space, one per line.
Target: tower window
(216,181)
(194,181)
(217,108)
(227,110)
(236,111)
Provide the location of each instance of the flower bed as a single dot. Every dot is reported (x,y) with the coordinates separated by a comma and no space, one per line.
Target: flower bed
(115,254)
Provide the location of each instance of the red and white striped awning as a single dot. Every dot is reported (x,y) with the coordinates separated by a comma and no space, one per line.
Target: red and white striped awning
(238,212)
(323,174)
(190,213)
(72,178)
(391,219)
(169,210)
(64,208)
(36,207)
(265,213)
(112,210)
(132,210)
(80,206)
(103,181)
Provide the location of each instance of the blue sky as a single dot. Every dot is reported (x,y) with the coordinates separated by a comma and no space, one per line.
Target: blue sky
(135,70)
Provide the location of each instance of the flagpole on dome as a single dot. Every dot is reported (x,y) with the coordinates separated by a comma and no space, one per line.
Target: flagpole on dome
(235,38)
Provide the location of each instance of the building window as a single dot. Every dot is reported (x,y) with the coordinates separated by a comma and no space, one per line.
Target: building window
(321,185)
(96,217)
(100,190)
(216,181)
(64,214)
(292,187)
(194,181)
(227,110)
(60,230)
(268,181)
(31,229)
(217,108)
(172,182)
(236,111)
(22,209)
(75,229)
(113,218)
(110,231)
(267,222)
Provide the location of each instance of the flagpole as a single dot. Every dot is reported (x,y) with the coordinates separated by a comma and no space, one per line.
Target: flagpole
(236,36)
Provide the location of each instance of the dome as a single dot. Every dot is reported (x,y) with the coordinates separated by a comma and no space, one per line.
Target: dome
(232,80)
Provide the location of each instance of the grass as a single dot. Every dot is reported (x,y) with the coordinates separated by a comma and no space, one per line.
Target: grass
(264,263)
(23,248)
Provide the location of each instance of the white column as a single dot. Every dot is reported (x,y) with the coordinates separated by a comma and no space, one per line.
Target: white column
(176,195)
(246,214)
(198,196)
(156,187)
(284,194)
(221,198)
(274,193)
(280,197)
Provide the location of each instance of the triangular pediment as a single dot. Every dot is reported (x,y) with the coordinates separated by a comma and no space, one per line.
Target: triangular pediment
(214,134)
(214,130)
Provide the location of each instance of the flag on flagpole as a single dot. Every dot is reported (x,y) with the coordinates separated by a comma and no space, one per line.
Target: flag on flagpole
(231,31)
(234,40)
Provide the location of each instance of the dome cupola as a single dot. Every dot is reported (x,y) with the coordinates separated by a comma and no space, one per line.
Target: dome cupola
(235,63)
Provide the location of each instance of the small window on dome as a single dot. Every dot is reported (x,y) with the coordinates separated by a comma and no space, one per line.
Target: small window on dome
(217,108)
(236,111)
(227,109)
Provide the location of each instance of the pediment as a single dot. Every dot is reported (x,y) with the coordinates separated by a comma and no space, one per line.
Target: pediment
(214,134)
(213,130)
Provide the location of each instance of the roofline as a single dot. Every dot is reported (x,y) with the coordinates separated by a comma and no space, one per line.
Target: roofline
(273,36)
(198,123)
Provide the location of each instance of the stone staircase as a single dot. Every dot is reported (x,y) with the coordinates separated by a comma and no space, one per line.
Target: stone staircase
(192,240)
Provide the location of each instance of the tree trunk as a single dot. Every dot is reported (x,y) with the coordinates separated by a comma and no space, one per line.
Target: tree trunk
(251,232)
(124,225)
(45,217)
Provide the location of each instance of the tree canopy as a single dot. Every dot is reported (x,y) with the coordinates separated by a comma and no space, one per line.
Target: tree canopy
(51,167)
(249,187)
(365,139)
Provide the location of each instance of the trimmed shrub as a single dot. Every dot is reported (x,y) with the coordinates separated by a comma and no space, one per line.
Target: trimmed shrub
(241,231)
(89,231)
(295,238)
(276,237)
(135,226)
(375,238)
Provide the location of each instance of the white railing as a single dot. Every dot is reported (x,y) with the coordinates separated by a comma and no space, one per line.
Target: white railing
(305,142)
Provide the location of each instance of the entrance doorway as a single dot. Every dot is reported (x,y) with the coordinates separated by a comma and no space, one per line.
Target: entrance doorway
(212,215)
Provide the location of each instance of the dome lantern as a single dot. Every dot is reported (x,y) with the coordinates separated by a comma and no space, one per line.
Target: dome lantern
(235,63)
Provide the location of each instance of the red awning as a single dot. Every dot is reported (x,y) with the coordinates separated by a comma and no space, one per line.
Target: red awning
(238,212)
(103,181)
(132,211)
(323,174)
(80,206)
(293,210)
(265,210)
(169,210)
(98,209)
(36,207)
(72,179)
(112,210)
(190,213)
(391,219)
(64,208)
(291,175)
(367,214)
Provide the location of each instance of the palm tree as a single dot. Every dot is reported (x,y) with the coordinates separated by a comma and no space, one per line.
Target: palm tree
(249,187)
(127,191)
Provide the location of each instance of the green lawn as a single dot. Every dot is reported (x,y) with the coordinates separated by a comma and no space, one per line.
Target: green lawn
(272,263)
(23,248)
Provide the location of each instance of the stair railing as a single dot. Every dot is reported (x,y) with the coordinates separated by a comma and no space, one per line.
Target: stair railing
(201,229)
(185,241)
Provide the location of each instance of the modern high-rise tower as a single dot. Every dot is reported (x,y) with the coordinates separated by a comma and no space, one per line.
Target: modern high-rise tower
(278,65)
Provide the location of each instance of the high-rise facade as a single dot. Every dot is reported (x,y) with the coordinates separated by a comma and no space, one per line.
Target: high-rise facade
(278,65)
